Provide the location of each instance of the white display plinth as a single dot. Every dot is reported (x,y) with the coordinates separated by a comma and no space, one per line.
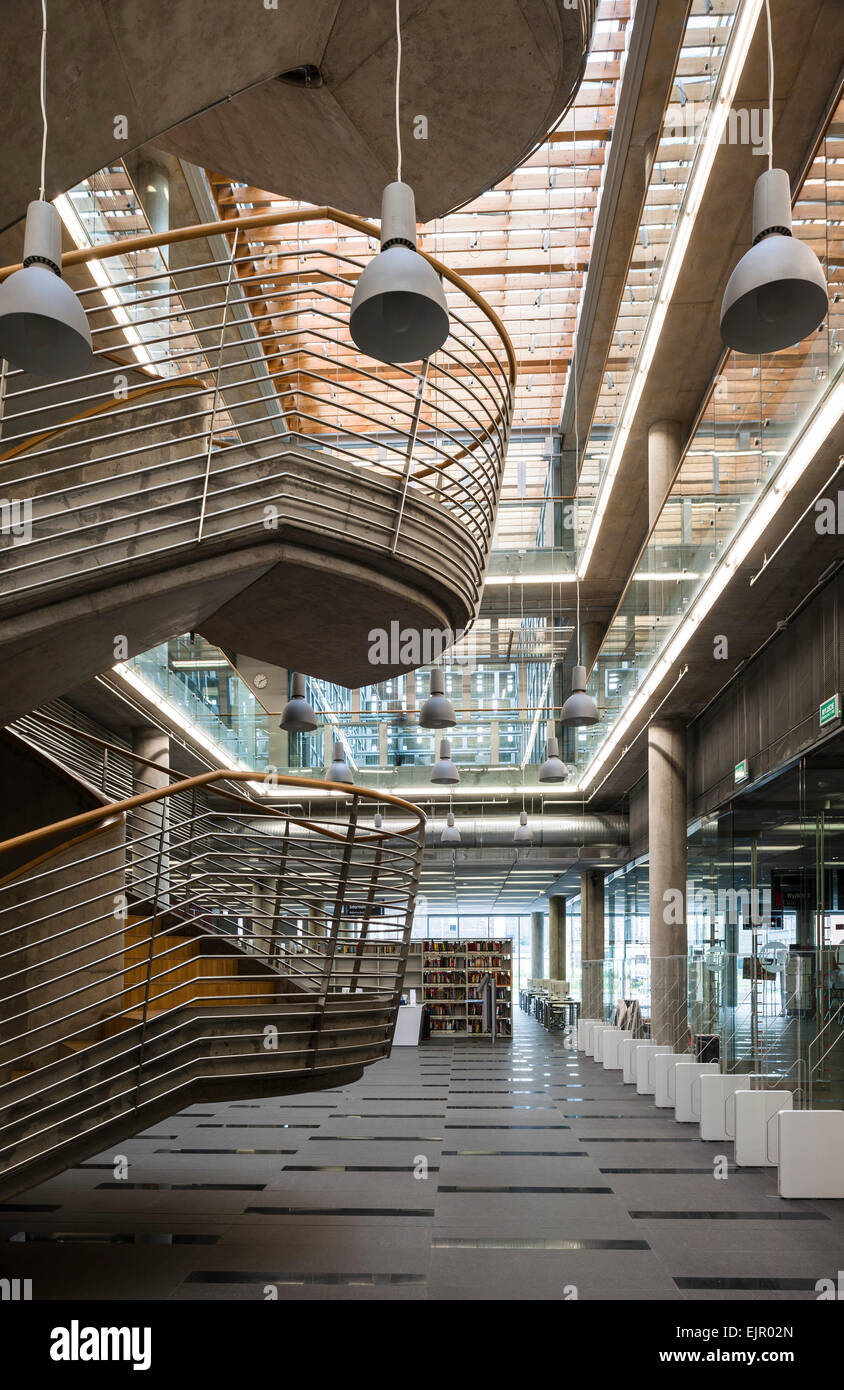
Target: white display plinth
(627,1059)
(612,1047)
(645,1054)
(408,1024)
(757,1127)
(811,1153)
(718,1102)
(687,1078)
(663,1070)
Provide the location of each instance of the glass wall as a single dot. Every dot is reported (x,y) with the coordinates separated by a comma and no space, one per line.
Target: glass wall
(766,927)
(765,910)
(442,926)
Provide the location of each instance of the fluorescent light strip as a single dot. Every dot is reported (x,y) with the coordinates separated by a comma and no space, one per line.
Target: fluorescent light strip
(818,429)
(658,575)
(500,579)
(79,236)
(736,57)
(176,717)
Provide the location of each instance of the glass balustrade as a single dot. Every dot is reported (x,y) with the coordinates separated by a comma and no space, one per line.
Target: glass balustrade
(756,410)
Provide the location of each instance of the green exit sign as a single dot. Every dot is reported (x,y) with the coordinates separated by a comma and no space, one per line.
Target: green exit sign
(741,773)
(830,710)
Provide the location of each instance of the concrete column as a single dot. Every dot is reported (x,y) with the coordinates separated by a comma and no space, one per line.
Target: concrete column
(153,185)
(147,873)
(557,937)
(592,942)
(667,843)
(591,637)
(665,443)
(537,946)
(316,922)
(154,190)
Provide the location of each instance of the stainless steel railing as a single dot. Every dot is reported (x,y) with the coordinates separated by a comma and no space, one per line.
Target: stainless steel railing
(215,381)
(168,946)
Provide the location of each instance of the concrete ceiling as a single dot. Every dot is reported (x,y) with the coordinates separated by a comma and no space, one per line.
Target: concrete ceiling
(201,78)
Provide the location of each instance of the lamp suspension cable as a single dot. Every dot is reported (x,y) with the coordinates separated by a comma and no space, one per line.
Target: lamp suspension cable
(398,88)
(770,85)
(43,90)
(574,355)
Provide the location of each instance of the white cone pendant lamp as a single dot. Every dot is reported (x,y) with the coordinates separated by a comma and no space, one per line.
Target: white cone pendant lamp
(437,711)
(379,824)
(444,772)
(298,716)
(339,770)
(450,835)
(399,313)
(553,769)
(777,294)
(43,328)
(524,834)
(579,710)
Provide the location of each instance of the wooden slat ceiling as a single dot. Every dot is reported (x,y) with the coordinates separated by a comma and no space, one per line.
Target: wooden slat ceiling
(524,244)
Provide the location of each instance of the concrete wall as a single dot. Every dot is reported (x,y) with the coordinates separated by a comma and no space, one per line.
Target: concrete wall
(769,714)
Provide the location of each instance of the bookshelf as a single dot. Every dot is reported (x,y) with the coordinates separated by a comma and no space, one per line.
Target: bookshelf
(446,976)
(377,964)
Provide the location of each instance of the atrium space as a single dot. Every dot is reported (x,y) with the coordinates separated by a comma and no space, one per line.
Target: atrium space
(422,637)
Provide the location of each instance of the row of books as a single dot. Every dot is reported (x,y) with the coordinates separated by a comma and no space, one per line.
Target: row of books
(435,947)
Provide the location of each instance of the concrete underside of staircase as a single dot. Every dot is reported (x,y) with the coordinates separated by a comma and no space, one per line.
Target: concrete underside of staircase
(96,1095)
(302,556)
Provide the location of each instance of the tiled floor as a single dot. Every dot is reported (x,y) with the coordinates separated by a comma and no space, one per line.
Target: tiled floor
(456,1170)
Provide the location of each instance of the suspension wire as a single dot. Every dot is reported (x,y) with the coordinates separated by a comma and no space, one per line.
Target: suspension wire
(43,89)
(574,356)
(770,86)
(398,86)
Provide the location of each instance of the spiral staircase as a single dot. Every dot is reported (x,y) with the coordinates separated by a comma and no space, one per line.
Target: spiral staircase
(192,942)
(232,465)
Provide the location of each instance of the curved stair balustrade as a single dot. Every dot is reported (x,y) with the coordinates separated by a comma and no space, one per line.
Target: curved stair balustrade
(233,464)
(166,949)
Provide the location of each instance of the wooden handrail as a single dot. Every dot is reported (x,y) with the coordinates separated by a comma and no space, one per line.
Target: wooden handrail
(248,221)
(204,779)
